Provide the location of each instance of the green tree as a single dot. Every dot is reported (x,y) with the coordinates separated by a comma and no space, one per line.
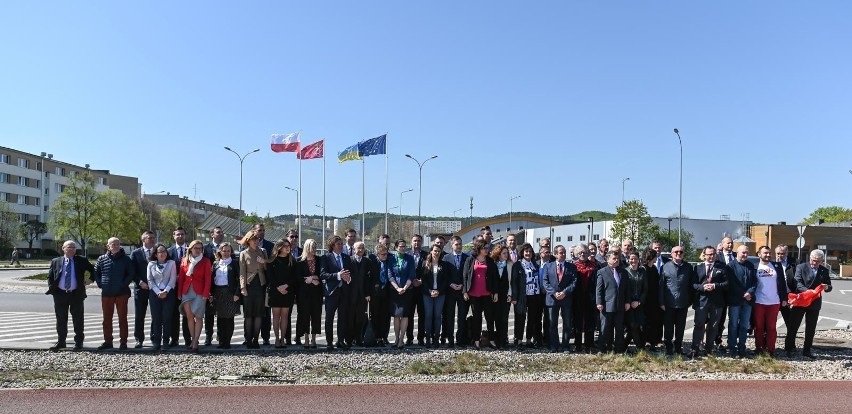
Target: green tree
(74,213)
(170,219)
(632,221)
(8,225)
(31,231)
(118,216)
(669,240)
(831,214)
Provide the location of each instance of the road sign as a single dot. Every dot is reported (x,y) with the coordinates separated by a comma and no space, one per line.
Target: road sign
(821,247)
(801,229)
(800,242)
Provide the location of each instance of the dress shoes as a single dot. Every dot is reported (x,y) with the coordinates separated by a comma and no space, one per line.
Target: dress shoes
(173,343)
(122,346)
(78,346)
(157,348)
(266,342)
(138,345)
(208,341)
(104,346)
(808,354)
(57,346)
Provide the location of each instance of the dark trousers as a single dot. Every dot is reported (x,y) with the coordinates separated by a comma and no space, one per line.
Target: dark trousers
(674,323)
(563,307)
(721,326)
(355,321)
(110,305)
(706,319)
(482,305)
(612,330)
(161,317)
(462,335)
(176,326)
(140,306)
(811,316)
(546,325)
(433,309)
(309,318)
(63,303)
(633,321)
(501,321)
(335,304)
(417,303)
(653,328)
(226,330)
(535,309)
(450,304)
(586,317)
(380,315)
(266,324)
(209,320)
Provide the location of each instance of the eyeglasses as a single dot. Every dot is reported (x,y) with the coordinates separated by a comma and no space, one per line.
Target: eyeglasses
(677,251)
(292,237)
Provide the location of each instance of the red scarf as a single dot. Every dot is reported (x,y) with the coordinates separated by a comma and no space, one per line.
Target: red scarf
(586,269)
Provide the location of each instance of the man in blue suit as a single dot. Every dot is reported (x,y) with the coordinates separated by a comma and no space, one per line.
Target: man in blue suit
(560,278)
(66,282)
(139,257)
(742,282)
(612,301)
(336,275)
(709,282)
(455,298)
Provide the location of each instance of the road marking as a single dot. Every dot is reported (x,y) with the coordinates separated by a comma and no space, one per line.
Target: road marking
(837,304)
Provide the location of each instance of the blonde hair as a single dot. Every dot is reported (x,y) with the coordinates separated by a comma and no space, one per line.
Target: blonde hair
(310,245)
(192,244)
(250,235)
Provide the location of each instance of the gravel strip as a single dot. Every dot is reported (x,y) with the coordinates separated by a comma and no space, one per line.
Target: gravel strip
(41,369)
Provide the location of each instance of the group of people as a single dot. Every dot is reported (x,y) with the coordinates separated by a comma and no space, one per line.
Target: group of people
(625,296)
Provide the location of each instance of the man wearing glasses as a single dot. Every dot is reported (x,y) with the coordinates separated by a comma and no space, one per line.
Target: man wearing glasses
(709,281)
(675,298)
(742,282)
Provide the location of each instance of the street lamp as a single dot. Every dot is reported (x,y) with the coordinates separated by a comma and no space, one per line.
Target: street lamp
(510,211)
(420,197)
(399,222)
(243,158)
(298,213)
(622,188)
(680,198)
(323,222)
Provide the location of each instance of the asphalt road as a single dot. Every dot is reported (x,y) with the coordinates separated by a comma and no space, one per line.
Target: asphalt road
(598,397)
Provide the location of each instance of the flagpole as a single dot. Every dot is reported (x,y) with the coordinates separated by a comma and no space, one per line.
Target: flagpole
(299,194)
(363,195)
(323,195)
(386,183)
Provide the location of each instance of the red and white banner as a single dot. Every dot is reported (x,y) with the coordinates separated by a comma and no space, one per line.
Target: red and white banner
(311,151)
(285,142)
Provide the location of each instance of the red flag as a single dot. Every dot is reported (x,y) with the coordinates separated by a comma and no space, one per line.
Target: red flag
(805,298)
(311,151)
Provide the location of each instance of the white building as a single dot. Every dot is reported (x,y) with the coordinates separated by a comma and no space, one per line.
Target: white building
(344,224)
(704,232)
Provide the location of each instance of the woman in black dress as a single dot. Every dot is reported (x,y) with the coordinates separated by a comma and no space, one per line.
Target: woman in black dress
(282,276)
(308,320)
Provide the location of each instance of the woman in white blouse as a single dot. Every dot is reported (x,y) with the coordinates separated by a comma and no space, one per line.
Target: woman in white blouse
(226,292)
(162,277)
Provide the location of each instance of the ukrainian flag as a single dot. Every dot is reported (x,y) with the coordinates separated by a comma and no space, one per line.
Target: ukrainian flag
(350,153)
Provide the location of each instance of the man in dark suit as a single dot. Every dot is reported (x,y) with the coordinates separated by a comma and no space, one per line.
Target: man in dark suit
(657,246)
(139,258)
(266,245)
(675,298)
(787,268)
(455,299)
(725,256)
(177,253)
(416,293)
(808,276)
(560,279)
(742,282)
(336,276)
(66,282)
(217,238)
(709,282)
(612,301)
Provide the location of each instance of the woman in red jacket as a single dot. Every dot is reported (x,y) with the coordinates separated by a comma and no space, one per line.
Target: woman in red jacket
(194,289)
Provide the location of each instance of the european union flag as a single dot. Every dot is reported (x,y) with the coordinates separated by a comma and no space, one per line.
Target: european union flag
(350,153)
(373,146)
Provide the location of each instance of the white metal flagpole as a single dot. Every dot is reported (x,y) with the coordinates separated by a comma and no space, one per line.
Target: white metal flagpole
(386,183)
(323,194)
(363,195)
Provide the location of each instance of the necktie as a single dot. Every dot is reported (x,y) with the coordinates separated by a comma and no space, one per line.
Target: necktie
(180,253)
(559,272)
(730,258)
(514,256)
(339,262)
(458,260)
(147,253)
(67,274)
(709,273)
(659,263)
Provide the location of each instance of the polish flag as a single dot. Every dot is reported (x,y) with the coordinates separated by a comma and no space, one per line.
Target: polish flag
(285,142)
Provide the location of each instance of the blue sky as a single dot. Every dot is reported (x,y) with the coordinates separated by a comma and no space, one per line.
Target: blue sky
(554,101)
